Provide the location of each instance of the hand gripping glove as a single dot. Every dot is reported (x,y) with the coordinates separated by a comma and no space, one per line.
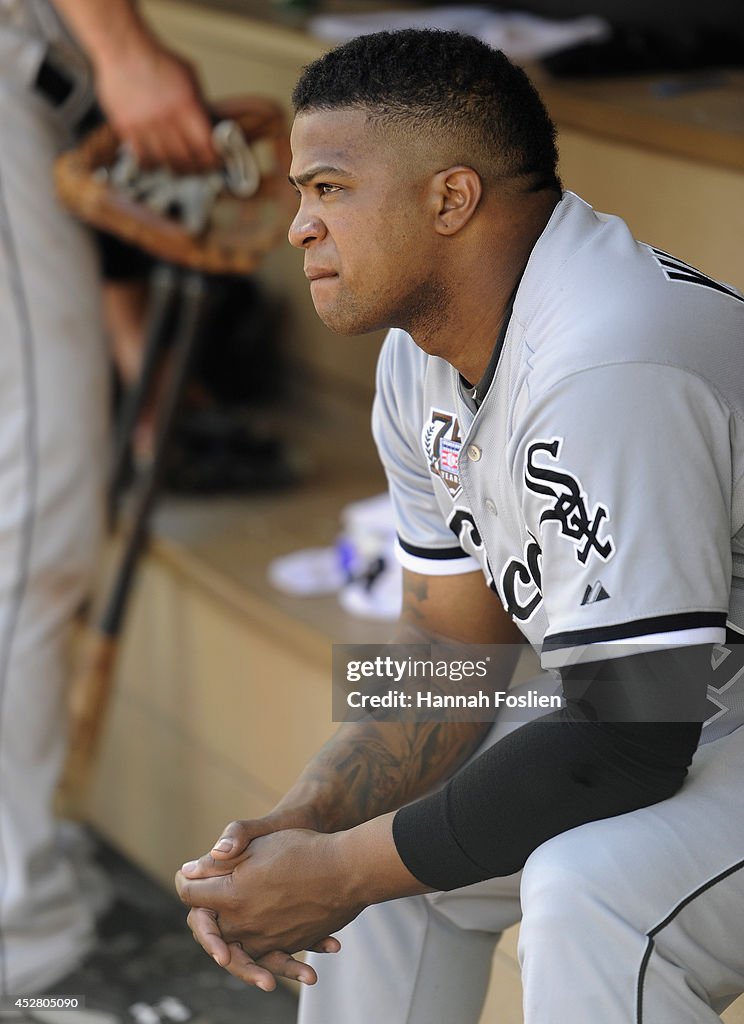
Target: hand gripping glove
(219,222)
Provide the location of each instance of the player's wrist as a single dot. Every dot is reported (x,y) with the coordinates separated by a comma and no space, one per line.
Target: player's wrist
(368,867)
(308,806)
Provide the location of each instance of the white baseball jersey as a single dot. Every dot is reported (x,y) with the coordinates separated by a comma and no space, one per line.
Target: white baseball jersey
(599,483)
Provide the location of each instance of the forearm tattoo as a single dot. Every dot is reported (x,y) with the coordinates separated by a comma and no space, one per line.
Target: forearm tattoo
(373,766)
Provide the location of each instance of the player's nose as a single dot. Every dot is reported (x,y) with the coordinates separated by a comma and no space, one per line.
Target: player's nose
(304,229)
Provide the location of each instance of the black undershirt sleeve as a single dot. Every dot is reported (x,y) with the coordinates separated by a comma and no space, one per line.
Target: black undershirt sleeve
(624,740)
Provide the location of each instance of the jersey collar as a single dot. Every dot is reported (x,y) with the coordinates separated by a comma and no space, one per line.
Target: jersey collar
(478,391)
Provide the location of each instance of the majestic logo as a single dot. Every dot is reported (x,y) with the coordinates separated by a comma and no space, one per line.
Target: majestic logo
(595,593)
(521,579)
(442,442)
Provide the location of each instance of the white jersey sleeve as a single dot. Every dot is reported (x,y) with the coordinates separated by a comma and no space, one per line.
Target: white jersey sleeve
(425,542)
(624,473)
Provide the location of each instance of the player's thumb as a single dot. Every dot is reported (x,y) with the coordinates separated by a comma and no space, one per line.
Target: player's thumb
(237,836)
(228,850)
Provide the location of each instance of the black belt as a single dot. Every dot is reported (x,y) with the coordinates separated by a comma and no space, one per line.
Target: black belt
(56,86)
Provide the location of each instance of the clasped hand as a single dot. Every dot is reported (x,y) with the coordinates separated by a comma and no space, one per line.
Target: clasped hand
(255,900)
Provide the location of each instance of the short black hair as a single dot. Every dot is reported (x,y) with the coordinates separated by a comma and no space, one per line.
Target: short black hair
(449,84)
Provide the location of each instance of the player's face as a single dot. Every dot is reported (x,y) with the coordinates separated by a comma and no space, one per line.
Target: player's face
(363,223)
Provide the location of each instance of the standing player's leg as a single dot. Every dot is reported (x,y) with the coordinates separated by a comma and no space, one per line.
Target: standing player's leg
(640,918)
(53,393)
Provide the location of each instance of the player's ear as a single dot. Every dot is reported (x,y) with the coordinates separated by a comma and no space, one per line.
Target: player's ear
(457,193)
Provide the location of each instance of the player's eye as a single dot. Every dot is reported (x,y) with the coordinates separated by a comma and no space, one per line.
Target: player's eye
(325,189)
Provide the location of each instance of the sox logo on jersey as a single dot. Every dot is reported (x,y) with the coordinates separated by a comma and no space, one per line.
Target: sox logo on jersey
(569,509)
(521,582)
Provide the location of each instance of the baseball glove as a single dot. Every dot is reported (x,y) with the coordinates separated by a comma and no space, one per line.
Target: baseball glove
(221,222)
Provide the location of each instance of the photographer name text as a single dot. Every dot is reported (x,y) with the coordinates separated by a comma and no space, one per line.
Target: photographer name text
(427,699)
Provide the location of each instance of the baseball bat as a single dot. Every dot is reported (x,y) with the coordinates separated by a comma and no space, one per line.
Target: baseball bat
(91,688)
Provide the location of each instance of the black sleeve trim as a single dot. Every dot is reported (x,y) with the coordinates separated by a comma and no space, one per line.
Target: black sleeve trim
(629,630)
(436,553)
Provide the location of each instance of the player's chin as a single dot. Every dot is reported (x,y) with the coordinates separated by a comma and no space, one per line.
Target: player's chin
(343,321)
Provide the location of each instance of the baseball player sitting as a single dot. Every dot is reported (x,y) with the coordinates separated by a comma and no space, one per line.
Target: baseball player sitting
(583,488)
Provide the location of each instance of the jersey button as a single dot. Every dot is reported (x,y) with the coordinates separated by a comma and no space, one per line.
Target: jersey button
(474,452)
(491,507)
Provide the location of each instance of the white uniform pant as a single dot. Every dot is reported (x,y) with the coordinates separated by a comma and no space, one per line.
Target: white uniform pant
(637,919)
(53,394)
